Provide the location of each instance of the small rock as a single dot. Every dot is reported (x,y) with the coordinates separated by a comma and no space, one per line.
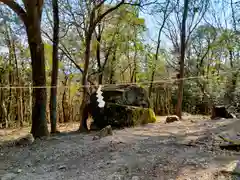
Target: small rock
(62,167)
(135,178)
(233,167)
(107,131)
(172,118)
(26,140)
(19,170)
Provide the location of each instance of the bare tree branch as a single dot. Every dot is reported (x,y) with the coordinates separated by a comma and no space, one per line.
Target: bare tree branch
(17,9)
(100,17)
(65,52)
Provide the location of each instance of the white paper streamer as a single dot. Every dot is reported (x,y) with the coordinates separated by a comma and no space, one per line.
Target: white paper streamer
(101,102)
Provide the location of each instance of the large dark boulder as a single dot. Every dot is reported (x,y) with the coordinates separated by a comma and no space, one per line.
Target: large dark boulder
(119,116)
(132,95)
(221,112)
(126,105)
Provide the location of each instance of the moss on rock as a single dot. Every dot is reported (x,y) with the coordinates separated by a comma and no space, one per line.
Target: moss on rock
(119,116)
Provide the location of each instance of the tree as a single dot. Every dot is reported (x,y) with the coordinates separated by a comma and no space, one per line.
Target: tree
(122,44)
(233,50)
(31,16)
(93,21)
(90,17)
(179,28)
(182,57)
(9,41)
(166,12)
(53,97)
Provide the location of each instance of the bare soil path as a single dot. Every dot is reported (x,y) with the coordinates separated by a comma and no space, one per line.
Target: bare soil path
(153,152)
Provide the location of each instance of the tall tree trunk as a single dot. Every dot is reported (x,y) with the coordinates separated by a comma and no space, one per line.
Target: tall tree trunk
(53,96)
(98,54)
(39,123)
(31,16)
(5,115)
(231,86)
(155,61)
(18,90)
(165,16)
(93,21)
(3,110)
(30,102)
(134,72)
(83,122)
(182,57)
(100,69)
(65,107)
(65,104)
(112,71)
(10,69)
(229,95)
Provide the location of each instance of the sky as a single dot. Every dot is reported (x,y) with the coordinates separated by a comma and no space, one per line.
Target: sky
(222,10)
(151,34)
(152,28)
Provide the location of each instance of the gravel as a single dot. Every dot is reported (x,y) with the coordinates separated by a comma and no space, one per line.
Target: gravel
(155,151)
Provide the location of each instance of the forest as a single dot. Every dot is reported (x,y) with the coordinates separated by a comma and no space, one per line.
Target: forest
(185,54)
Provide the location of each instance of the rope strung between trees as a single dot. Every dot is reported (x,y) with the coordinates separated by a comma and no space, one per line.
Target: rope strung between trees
(127,83)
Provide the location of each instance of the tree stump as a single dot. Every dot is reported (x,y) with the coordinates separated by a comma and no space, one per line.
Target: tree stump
(220,112)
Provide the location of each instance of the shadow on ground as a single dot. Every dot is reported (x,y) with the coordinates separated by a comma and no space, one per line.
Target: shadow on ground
(155,151)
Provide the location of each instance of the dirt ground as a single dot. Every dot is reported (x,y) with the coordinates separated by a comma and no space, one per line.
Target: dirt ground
(152,152)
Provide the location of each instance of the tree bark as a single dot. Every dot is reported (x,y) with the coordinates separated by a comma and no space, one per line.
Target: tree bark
(182,57)
(165,16)
(53,95)
(65,104)
(18,90)
(134,72)
(93,21)
(229,95)
(113,64)
(83,124)
(231,86)
(39,123)
(10,70)
(98,53)
(32,21)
